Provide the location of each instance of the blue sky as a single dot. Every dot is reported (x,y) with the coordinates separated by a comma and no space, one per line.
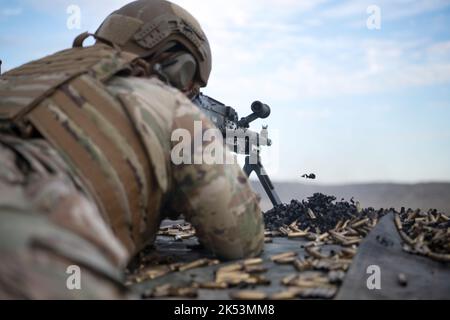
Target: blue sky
(348,103)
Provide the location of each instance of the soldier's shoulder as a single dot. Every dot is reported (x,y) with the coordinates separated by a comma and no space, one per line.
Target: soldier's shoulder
(138,85)
(149,91)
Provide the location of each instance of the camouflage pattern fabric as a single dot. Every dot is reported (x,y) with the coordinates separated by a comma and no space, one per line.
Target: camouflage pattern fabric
(47,225)
(94,190)
(217,199)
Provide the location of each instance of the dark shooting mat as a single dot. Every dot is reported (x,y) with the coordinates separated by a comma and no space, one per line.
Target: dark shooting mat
(425,278)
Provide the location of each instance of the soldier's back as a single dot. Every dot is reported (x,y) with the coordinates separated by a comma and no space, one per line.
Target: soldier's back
(75,176)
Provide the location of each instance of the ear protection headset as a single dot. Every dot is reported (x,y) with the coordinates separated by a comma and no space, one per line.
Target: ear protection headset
(179,70)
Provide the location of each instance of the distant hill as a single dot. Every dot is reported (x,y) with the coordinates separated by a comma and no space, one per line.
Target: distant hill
(423,196)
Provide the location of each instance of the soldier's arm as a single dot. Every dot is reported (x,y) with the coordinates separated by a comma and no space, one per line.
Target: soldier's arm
(216,198)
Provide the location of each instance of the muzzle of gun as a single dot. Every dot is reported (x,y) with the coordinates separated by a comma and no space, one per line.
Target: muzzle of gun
(260,111)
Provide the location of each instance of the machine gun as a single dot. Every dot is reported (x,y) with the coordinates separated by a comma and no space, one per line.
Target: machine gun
(240,139)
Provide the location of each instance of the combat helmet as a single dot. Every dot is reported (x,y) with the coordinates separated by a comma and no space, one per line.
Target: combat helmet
(151,28)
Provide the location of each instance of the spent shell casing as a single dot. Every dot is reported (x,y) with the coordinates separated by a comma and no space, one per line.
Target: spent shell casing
(322,237)
(161,291)
(348,252)
(213,285)
(311,214)
(302,265)
(184,293)
(339,225)
(345,224)
(358,207)
(156,273)
(285,260)
(293,225)
(318,293)
(398,222)
(213,262)
(252,262)
(406,238)
(176,266)
(352,232)
(248,295)
(360,223)
(289,279)
(255,269)
(283,231)
(193,265)
(313,252)
(258,280)
(293,235)
(439,256)
(284,255)
(230,268)
(352,242)
(285,295)
(338,237)
(232,278)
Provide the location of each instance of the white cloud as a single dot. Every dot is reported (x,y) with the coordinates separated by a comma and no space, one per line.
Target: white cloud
(265,46)
(329,67)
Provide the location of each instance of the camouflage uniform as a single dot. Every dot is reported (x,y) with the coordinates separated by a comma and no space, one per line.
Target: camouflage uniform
(86,175)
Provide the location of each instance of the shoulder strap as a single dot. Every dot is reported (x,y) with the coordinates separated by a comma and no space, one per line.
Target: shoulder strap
(23,88)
